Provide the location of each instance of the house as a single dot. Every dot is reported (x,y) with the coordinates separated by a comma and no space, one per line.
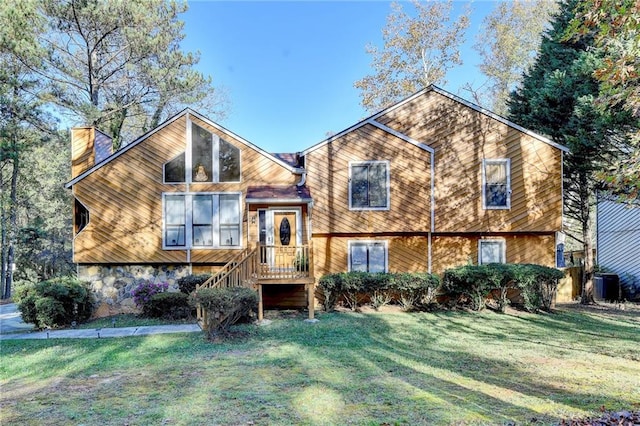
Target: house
(618,243)
(424,185)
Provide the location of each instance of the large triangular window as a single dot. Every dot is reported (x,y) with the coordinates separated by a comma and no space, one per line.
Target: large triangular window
(211,160)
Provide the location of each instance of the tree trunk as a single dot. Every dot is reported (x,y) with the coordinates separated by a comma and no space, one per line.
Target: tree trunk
(587,238)
(3,240)
(13,224)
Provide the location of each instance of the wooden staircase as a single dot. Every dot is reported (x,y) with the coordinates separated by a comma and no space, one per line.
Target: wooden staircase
(261,265)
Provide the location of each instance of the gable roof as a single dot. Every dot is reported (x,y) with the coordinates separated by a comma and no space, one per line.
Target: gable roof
(372,120)
(184,112)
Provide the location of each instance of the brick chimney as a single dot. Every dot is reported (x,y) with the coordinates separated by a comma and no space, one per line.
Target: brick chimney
(89,146)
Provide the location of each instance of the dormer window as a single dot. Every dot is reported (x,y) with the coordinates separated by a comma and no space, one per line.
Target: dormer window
(211,160)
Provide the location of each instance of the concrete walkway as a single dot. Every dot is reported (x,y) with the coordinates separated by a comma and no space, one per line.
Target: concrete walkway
(11,326)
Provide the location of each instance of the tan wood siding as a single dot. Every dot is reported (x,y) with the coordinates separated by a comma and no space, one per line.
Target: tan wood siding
(328,180)
(452,251)
(405,254)
(462,138)
(124,199)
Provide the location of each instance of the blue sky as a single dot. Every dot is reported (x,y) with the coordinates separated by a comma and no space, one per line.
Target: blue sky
(289,67)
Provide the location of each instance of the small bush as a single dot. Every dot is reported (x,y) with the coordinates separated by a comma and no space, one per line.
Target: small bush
(167,305)
(224,307)
(189,283)
(411,289)
(330,286)
(415,290)
(143,292)
(538,285)
(55,303)
(468,282)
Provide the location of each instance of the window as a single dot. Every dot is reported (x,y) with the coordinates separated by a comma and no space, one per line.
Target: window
(202,220)
(175,221)
(81,216)
(212,160)
(229,220)
(491,251)
(229,162)
(369,185)
(496,183)
(174,170)
(368,256)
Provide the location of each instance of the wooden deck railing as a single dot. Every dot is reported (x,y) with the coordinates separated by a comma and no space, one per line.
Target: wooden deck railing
(285,263)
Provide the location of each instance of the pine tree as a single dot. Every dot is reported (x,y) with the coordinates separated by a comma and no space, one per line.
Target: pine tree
(558,99)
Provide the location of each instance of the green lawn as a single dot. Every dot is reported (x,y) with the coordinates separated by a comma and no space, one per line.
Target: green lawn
(350,368)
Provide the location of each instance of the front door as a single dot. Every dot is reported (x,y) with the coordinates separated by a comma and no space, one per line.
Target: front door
(285,232)
(280,233)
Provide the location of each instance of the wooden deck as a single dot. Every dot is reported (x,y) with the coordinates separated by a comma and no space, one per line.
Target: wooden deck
(267,265)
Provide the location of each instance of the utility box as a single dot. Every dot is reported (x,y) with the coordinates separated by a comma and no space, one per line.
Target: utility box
(610,287)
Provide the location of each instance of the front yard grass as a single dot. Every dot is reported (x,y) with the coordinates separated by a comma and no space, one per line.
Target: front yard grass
(350,368)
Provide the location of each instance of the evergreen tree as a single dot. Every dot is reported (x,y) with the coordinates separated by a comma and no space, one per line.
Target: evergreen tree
(22,121)
(558,99)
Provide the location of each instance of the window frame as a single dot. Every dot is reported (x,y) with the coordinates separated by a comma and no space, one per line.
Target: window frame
(352,243)
(503,249)
(189,198)
(387,185)
(491,161)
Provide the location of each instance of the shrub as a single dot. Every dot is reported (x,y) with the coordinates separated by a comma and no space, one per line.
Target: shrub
(468,282)
(538,285)
(143,292)
(223,307)
(329,284)
(415,289)
(189,283)
(169,305)
(55,303)
(412,289)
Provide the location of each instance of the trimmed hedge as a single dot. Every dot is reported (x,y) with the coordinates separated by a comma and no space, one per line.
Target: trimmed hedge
(411,290)
(224,307)
(169,305)
(473,284)
(57,302)
(189,283)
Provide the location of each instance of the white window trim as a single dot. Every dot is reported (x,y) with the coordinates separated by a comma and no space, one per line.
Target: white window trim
(189,222)
(506,161)
(388,185)
(350,243)
(503,248)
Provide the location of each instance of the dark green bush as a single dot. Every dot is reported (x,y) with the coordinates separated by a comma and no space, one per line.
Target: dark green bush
(189,283)
(174,306)
(330,286)
(223,307)
(475,283)
(55,303)
(468,283)
(538,285)
(414,289)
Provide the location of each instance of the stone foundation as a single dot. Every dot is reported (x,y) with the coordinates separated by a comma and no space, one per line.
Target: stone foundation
(112,284)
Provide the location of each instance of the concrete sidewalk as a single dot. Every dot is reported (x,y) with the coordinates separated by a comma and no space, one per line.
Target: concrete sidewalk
(11,324)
